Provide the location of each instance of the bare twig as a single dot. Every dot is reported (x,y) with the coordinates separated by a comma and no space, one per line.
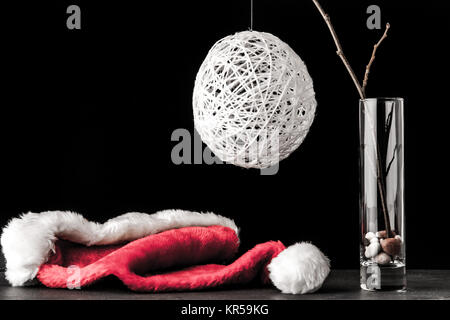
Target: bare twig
(372,58)
(382,191)
(392,160)
(339,51)
(362,95)
(387,129)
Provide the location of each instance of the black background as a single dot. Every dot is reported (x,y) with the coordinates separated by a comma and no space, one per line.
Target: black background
(87,116)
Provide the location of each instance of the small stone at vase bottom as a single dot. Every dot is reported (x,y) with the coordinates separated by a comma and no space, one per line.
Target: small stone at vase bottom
(370,235)
(391,246)
(374,240)
(372,250)
(382,258)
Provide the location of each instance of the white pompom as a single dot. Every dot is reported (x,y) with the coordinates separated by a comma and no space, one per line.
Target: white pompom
(253,100)
(299,269)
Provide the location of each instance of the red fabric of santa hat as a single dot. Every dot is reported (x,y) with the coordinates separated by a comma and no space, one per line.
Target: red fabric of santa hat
(171,250)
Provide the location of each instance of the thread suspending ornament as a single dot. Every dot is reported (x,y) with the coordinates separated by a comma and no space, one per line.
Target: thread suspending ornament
(253,100)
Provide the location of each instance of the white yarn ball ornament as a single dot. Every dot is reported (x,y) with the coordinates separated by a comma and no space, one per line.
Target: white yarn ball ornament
(253,100)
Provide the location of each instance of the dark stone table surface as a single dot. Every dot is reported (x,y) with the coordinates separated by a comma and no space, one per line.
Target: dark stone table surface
(340,285)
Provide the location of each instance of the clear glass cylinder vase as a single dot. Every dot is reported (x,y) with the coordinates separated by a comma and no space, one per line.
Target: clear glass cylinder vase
(382,221)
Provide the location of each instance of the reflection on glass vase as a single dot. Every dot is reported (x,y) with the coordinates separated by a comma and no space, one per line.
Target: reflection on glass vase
(382,225)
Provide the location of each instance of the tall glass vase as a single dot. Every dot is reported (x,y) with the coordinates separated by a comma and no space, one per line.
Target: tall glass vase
(382,223)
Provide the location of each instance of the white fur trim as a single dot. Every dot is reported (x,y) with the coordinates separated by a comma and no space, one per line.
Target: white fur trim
(27,241)
(300,268)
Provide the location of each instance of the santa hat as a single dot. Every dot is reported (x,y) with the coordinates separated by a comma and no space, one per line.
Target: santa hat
(171,250)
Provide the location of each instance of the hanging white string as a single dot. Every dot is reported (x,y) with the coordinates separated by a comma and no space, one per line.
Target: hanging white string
(251,15)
